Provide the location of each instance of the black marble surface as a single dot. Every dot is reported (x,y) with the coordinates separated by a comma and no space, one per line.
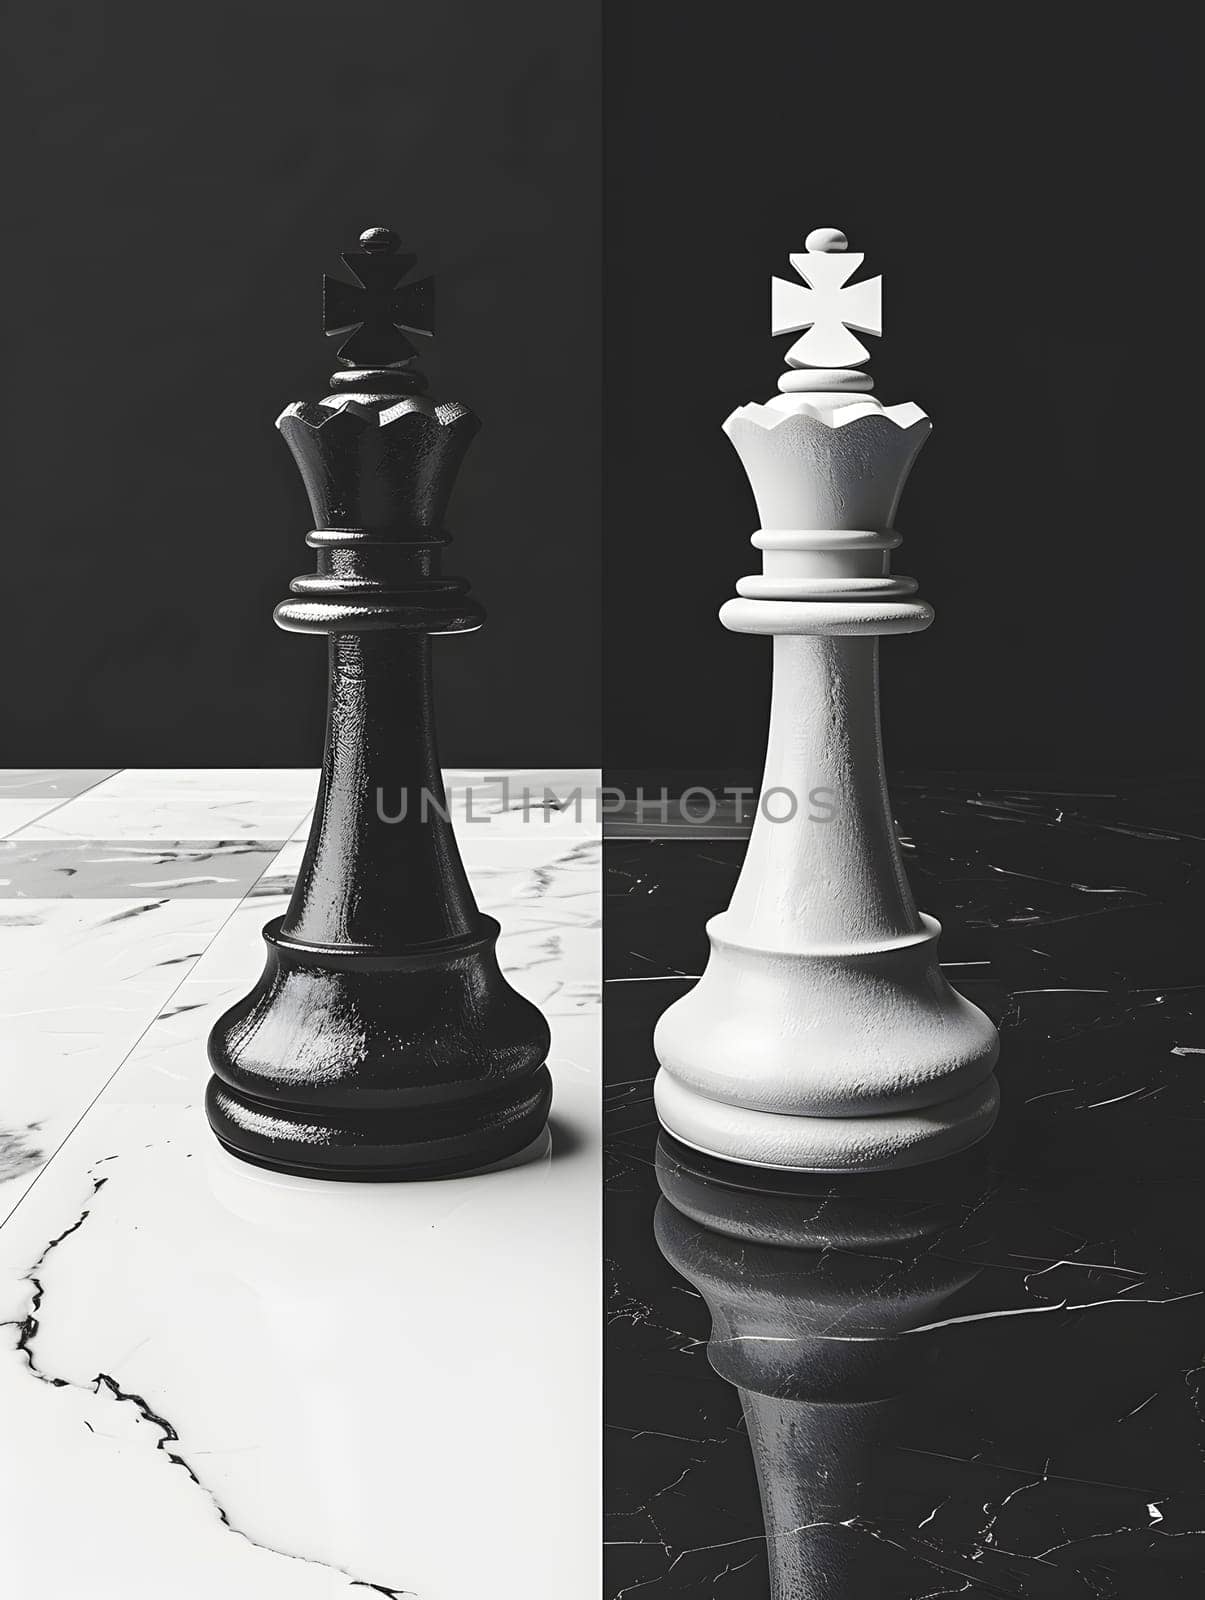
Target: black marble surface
(985,1377)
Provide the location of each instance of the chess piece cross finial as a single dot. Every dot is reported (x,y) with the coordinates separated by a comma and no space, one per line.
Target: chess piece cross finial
(830,307)
(378,307)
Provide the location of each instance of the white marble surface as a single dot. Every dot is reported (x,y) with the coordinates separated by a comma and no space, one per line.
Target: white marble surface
(30,794)
(80,983)
(16,814)
(153,804)
(216,1381)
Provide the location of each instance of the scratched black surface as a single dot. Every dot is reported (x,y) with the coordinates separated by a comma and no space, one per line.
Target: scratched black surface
(983,1378)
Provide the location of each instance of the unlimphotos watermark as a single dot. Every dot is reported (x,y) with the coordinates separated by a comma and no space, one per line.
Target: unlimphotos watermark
(696,806)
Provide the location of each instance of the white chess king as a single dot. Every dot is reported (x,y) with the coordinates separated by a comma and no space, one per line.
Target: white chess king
(822,1035)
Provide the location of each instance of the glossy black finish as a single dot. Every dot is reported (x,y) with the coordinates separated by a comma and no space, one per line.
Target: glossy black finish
(382,1041)
(979,1378)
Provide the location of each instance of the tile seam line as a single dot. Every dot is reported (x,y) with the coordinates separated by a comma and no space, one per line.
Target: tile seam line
(167,1000)
(65,801)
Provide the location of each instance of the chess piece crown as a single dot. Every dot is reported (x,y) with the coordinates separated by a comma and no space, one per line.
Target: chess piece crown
(827,526)
(379,460)
(822,1035)
(382,1040)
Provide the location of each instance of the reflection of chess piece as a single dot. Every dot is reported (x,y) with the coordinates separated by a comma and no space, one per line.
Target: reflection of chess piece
(382,1040)
(822,1034)
(811,1296)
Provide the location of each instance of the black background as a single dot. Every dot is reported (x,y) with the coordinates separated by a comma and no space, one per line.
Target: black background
(1019,176)
(179,180)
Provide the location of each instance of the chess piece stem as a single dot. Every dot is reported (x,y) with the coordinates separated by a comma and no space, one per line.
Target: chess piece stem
(380,716)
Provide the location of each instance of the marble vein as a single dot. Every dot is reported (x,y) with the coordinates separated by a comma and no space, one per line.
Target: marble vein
(280,1441)
(1026,1436)
(27,1332)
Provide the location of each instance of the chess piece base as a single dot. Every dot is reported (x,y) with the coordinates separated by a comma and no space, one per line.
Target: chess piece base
(361,1065)
(377,1149)
(781,1143)
(855,1060)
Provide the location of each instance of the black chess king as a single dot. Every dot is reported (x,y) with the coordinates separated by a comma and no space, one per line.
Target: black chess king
(382,1041)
